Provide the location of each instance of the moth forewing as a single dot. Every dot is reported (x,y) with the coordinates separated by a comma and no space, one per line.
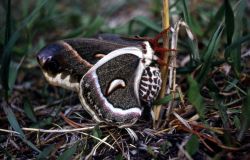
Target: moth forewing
(66,61)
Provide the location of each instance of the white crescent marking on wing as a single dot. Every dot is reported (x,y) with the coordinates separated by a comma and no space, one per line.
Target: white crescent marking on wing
(115,83)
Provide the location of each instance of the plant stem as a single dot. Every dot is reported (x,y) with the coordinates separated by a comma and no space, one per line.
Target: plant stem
(164,68)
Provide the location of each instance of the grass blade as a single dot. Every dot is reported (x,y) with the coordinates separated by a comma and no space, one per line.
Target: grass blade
(192,145)
(28,109)
(166,99)
(12,120)
(215,20)
(8,22)
(15,125)
(96,132)
(245,116)
(68,153)
(238,42)
(186,13)
(229,21)
(233,56)
(209,54)
(192,23)
(13,70)
(195,97)
(6,58)
(46,151)
(222,110)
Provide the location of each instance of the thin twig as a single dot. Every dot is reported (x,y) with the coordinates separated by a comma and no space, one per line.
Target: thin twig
(8,131)
(61,130)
